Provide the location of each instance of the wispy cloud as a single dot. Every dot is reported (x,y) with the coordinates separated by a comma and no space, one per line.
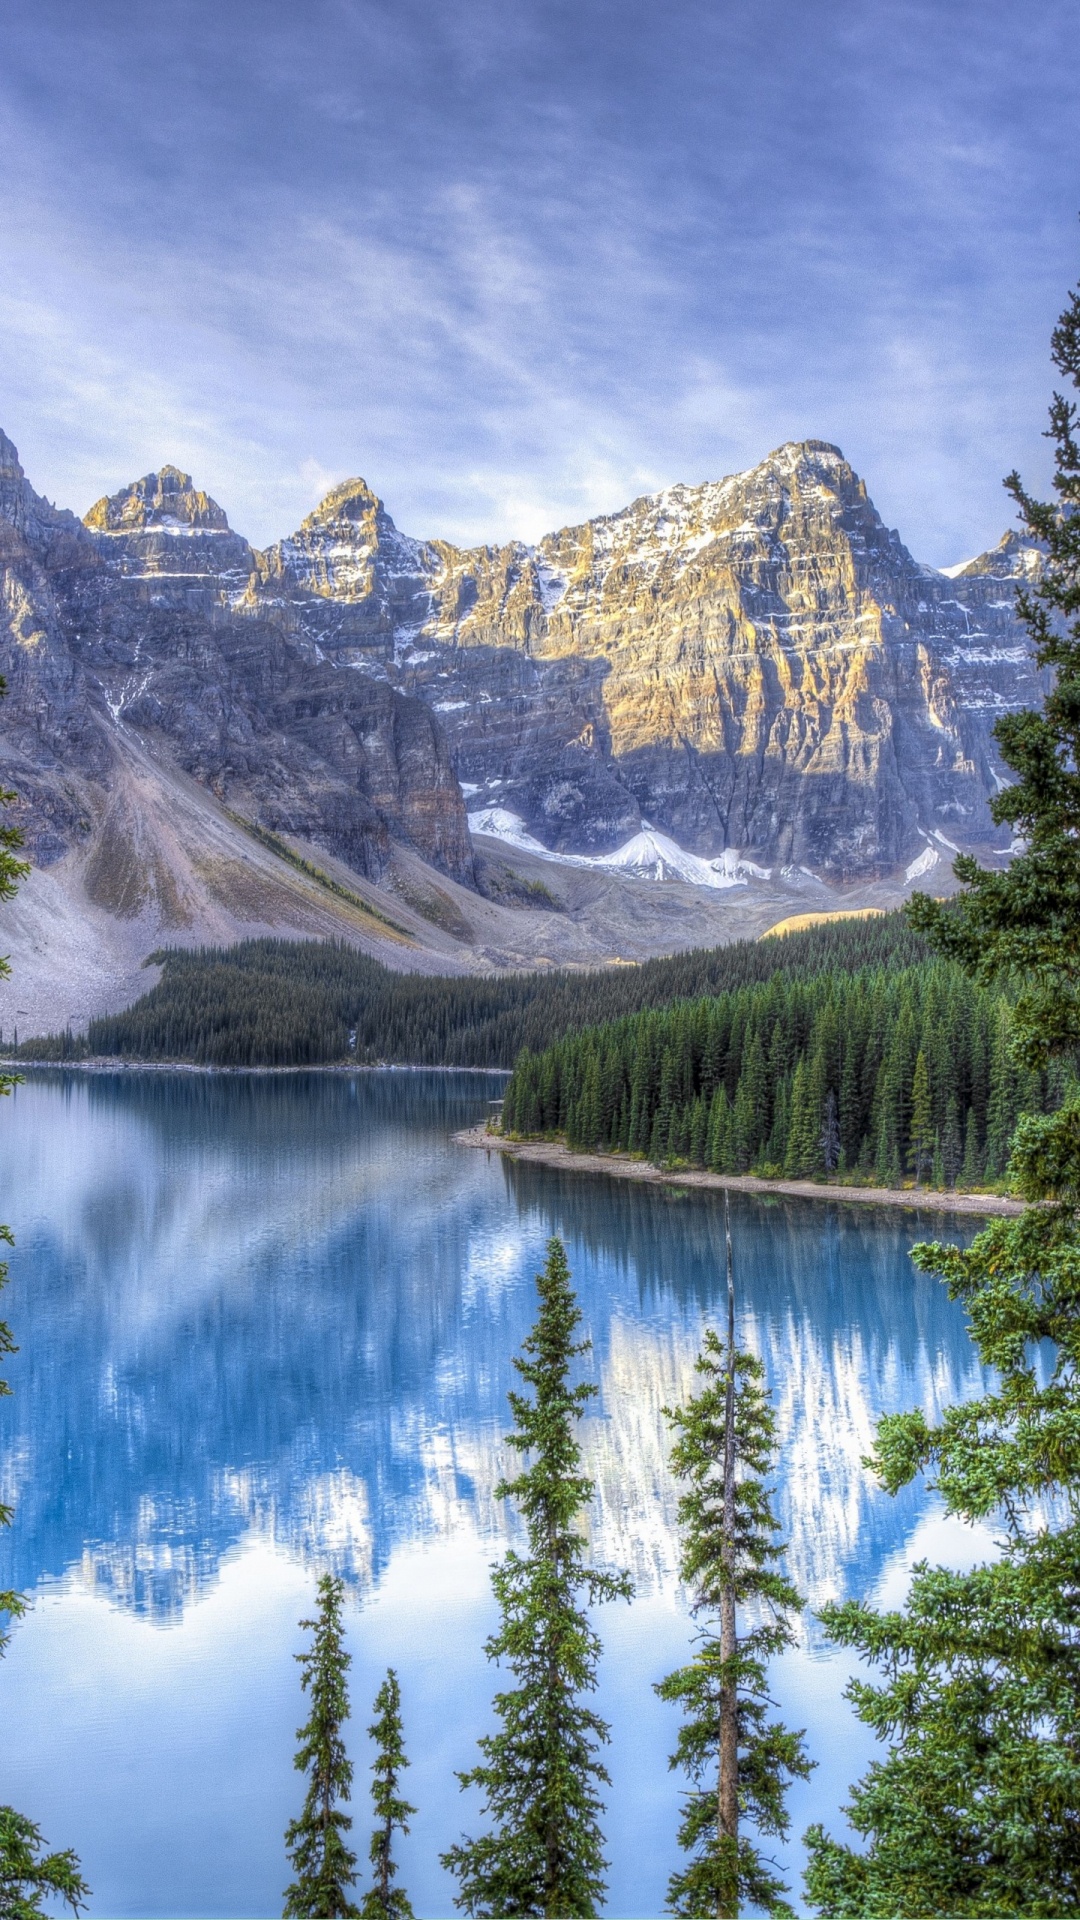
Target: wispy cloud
(517,264)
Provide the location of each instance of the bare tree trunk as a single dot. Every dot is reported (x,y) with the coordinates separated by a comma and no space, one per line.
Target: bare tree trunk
(728,1790)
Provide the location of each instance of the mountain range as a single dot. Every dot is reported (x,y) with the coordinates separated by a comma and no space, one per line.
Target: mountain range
(665,725)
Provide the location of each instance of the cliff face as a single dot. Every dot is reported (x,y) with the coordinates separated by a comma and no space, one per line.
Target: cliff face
(142,622)
(755,664)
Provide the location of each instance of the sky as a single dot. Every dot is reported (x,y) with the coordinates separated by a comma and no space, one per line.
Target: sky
(517,262)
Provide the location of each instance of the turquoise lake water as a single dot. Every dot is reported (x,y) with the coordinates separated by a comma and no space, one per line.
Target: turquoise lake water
(265,1328)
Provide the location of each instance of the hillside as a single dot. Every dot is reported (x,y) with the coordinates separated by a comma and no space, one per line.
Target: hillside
(288,1003)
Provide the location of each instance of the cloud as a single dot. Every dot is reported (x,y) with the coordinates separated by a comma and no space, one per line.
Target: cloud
(516,265)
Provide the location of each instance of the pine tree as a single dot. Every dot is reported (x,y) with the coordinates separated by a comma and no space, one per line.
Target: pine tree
(952,1145)
(27,1877)
(800,1158)
(922,1120)
(830,1134)
(324,1866)
(971,1170)
(540,1773)
(976,1807)
(384,1901)
(739,1760)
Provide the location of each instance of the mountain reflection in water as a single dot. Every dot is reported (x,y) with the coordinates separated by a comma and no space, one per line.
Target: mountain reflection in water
(266,1325)
(287,1303)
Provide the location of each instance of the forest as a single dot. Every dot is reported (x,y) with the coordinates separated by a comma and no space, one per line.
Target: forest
(282,1003)
(876,1074)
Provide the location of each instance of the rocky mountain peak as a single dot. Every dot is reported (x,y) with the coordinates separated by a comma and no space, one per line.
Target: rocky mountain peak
(350,551)
(31,516)
(351,500)
(1014,558)
(164,500)
(9,456)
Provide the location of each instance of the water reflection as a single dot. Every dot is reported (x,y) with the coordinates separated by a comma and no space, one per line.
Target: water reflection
(286,1305)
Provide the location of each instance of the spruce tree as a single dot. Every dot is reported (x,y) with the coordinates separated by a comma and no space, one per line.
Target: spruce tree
(975,1808)
(384,1901)
(952,1146)
(922,1120)
(830,1134)
(540,1773)
(739,1760)
(27,1876)
(324,1866)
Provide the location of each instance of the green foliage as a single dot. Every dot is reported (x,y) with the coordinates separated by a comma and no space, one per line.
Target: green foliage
(540,1772)
(27,1876)
(300,1003)
(324,1866)
(976,1807)
(384,1901)
(861,1073)
(721,1876)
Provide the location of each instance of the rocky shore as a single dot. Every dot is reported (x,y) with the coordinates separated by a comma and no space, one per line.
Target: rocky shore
(551,1153)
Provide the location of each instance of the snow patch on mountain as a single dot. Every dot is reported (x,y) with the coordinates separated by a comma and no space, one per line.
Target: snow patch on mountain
(924,862)
(648,855)
(501,824)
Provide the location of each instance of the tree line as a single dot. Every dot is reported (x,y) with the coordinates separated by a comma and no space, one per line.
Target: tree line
(285,1003)
(872,1075)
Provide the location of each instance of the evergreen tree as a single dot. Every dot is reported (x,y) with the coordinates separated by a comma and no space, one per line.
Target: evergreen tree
(922,1120)
(952,1145)
(971,1170)
(27,1876)
(540,1773)
(803,1145)
(739,1760)
(976,1807)
(324,1866)
(384,1901)
(830,1134)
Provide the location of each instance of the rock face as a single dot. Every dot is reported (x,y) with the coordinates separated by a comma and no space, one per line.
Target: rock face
(755,665)
(143,621)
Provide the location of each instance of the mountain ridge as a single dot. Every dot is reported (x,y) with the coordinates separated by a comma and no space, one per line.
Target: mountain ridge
(755,669)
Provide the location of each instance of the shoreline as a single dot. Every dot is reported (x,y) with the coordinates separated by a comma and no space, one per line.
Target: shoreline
(551,1153)
(16,1069)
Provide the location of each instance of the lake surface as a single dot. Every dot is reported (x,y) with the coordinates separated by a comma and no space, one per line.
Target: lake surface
(266,1325)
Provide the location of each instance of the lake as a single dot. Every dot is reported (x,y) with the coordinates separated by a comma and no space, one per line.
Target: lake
(265,1327)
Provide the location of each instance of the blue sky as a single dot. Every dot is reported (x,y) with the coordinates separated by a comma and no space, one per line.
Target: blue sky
(517,261)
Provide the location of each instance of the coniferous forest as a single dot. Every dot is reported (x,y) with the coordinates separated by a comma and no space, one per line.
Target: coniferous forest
(882,1073)
(279,1003)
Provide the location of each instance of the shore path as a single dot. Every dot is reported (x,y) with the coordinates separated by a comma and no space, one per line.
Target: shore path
(549,1153)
